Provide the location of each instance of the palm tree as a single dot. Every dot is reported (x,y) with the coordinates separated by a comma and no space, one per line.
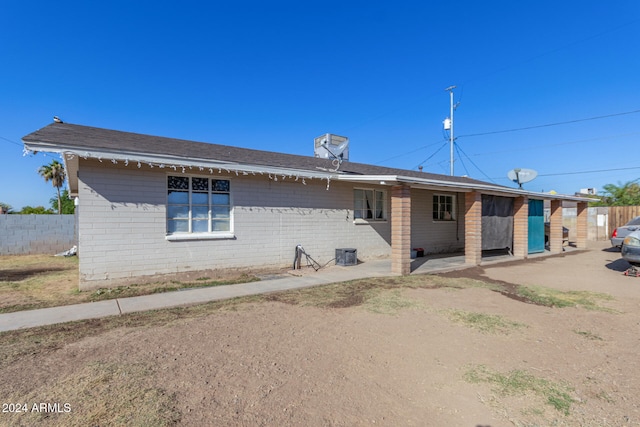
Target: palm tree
(55,173)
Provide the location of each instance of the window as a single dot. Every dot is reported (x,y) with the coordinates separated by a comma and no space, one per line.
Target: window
(198,205)
(444,207)
(369,205)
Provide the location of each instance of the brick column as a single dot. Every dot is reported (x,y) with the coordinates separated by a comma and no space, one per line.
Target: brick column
(582,227)
(473,228)
(401,229)
(521,227)
(555,227)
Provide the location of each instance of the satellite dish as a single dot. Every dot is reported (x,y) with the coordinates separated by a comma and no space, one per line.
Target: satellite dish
(521,175)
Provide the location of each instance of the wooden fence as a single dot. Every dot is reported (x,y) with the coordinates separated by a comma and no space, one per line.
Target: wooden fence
(620,215)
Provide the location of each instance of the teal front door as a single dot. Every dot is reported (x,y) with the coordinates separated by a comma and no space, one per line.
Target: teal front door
(536,226)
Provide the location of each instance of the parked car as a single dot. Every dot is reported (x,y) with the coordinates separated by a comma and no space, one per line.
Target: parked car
(565,234)
(618,235)
(631,248)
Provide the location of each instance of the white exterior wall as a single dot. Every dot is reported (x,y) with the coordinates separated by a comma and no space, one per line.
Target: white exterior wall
(435,236)
(122,224)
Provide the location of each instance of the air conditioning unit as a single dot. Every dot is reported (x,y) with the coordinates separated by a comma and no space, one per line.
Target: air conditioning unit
(346,256)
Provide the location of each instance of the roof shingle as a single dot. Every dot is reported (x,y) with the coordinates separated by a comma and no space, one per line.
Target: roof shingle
(86,138)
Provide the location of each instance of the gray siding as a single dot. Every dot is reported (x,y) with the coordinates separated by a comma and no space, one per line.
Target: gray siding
(122,226)
(36,234)
(435,236)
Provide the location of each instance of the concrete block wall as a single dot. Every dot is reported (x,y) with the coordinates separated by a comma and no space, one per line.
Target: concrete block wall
(36,234)
(597,223)
(435,236)
(122,228)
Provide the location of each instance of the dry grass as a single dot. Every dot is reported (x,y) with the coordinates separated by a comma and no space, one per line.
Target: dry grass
(34,281)
(108,394)
(37,281)
(519,382)
(485,323)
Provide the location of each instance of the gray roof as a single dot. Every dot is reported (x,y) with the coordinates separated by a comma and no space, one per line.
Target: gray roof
(65,136)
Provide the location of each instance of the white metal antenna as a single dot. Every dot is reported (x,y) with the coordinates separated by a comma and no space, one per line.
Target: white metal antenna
(448,125)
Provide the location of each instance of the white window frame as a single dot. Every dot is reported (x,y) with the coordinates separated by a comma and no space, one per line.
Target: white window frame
(437,207)
(197,235)
(373,208)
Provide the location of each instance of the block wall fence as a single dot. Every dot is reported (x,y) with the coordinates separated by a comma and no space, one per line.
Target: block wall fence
(36,234)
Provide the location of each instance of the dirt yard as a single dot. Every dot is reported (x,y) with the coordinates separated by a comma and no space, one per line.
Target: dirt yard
(460,349)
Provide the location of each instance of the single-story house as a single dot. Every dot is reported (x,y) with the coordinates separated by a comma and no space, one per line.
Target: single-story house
(151,205)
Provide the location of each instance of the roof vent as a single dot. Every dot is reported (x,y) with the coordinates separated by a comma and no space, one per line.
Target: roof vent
(330,146)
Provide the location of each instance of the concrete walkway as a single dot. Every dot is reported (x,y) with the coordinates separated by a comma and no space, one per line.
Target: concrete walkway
(333,274)
(114,307)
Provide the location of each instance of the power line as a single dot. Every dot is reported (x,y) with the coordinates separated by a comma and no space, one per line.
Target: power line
(537,147)
(593,171)
(462,160)
(533,127)
(585,172)
(436,152)
(499,70)
(549,124)
(12,142)
(473,163)
(408,152)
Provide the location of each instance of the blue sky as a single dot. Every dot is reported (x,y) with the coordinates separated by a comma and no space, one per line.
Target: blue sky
(274,75)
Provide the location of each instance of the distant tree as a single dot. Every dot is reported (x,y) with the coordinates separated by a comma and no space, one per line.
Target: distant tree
(627,194)
(68,205)
(5,208)
(27,210)
(55,173)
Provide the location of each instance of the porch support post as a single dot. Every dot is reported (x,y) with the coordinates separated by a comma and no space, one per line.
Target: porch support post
(401,229)
(582,227)
(555,227)
(473,228)
(521,227)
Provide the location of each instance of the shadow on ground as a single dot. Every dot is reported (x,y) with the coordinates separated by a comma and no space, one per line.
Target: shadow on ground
(18,274)
(618,265)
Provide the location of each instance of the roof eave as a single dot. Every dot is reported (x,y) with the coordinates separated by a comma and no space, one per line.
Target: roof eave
(68,152)
(436,184)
